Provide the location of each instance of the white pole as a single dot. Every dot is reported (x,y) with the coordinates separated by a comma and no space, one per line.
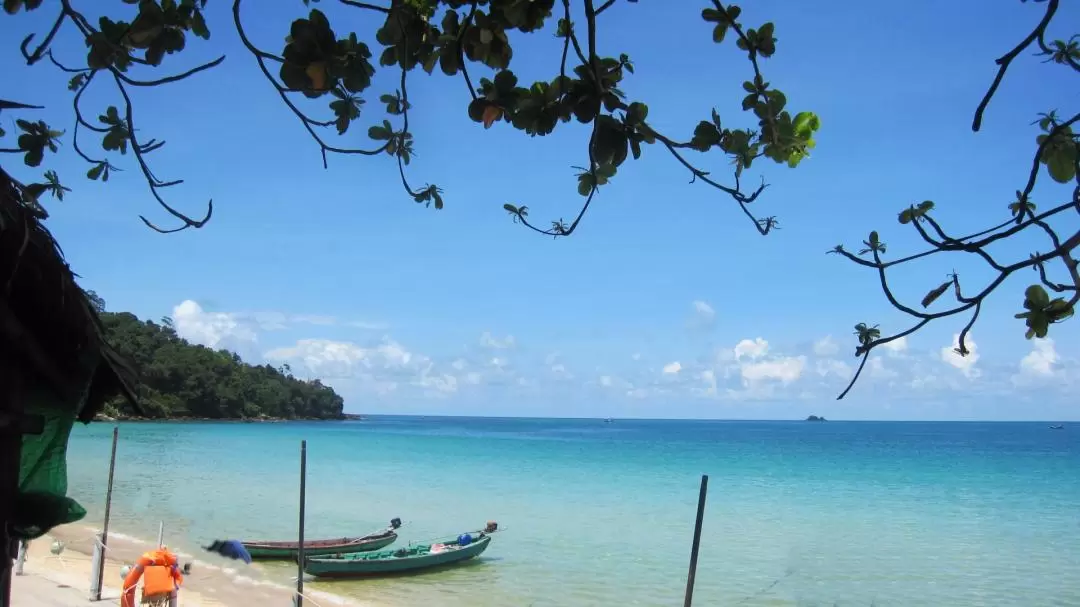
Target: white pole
(160,533)
(95,568)
(23,546)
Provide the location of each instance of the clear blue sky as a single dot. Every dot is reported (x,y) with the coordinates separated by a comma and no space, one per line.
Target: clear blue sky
(339,273)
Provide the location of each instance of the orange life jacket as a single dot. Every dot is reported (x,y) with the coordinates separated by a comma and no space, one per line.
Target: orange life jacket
(160,575)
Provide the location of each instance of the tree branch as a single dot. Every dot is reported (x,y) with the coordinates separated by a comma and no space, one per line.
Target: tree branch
(1006,60)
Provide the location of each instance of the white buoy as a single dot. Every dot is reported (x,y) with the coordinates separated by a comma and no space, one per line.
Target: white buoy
(124,571)
(57,548)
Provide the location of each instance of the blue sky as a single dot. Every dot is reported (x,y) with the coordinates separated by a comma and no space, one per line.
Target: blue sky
(644,311)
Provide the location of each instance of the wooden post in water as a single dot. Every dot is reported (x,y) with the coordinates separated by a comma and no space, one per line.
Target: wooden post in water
(99,551)
(697,541)
(300,546)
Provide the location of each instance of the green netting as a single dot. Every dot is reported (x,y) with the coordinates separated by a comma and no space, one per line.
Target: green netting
(42,502)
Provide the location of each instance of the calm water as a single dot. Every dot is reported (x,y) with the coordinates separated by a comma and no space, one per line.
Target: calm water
(799,513)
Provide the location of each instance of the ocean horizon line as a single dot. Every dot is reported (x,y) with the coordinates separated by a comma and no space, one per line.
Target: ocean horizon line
(352,417)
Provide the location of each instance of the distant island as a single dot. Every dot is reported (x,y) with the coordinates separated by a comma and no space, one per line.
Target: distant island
(185,381)
(814,418)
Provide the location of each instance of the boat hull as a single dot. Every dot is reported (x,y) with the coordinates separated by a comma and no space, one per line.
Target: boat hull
(290,550)
(385,563)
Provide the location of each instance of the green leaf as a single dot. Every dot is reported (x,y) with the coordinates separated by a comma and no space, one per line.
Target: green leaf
(1036,298)
(76,81)
(116,138)
(380,133)
(96,171)
(805,124)
(198,25)
(705,136)
(505,81)
(719,32)
(637,112)
(586,183)
(1061,162)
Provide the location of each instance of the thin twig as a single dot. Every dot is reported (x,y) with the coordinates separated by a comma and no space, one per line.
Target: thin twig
(1005,60)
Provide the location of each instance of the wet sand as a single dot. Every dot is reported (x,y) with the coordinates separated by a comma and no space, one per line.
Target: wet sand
(50,580)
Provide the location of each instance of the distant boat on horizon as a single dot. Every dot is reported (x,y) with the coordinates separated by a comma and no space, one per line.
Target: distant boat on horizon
(608,420)
(1057,427)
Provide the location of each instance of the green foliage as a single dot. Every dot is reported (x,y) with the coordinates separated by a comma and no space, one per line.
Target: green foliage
(1043,311)
(182,380)
(915,213)
(315,61)
(52,186)
(873,245)
(13,6)
(36,137)
(1058,152)
(117,133)
(1060,149)
(158,29)
(866,335)
(453,35)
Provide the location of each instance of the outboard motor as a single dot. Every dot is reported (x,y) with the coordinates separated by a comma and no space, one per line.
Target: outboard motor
(395,523)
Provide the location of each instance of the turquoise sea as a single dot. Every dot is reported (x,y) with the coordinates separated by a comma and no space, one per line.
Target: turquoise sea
(835,513)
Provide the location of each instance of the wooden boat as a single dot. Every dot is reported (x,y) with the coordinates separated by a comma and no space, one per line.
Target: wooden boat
(291,549)
(403,560)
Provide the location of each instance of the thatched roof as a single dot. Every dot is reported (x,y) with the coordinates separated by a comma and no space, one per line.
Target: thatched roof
(49,330)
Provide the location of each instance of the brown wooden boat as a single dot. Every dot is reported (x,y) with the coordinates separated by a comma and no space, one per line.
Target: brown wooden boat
(342,545)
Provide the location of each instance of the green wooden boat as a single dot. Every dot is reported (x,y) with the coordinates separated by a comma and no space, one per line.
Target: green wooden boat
(290,549)
(403,560)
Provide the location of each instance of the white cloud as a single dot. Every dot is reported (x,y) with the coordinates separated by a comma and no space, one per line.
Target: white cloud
(314,319)
(672,368)
(1041,360)
(877,369)
(383,368)
(328,358)
(437,384)
(784,370)
(211,329)
(753,349)
(831,366)
(704,314)
(560,372)
(900,345)
(966,364)
(708,377)
(752,369)
(487,340)
(367,325)
(826,346)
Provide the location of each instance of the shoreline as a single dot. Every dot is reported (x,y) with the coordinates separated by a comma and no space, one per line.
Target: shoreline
(213,581)
(233,420)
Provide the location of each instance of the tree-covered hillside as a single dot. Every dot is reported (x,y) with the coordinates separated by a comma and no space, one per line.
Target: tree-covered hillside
(183,380)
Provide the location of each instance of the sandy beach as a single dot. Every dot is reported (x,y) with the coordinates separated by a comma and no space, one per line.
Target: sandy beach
(49,580)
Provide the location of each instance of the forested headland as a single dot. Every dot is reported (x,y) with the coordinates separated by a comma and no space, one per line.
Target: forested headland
(181,380)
